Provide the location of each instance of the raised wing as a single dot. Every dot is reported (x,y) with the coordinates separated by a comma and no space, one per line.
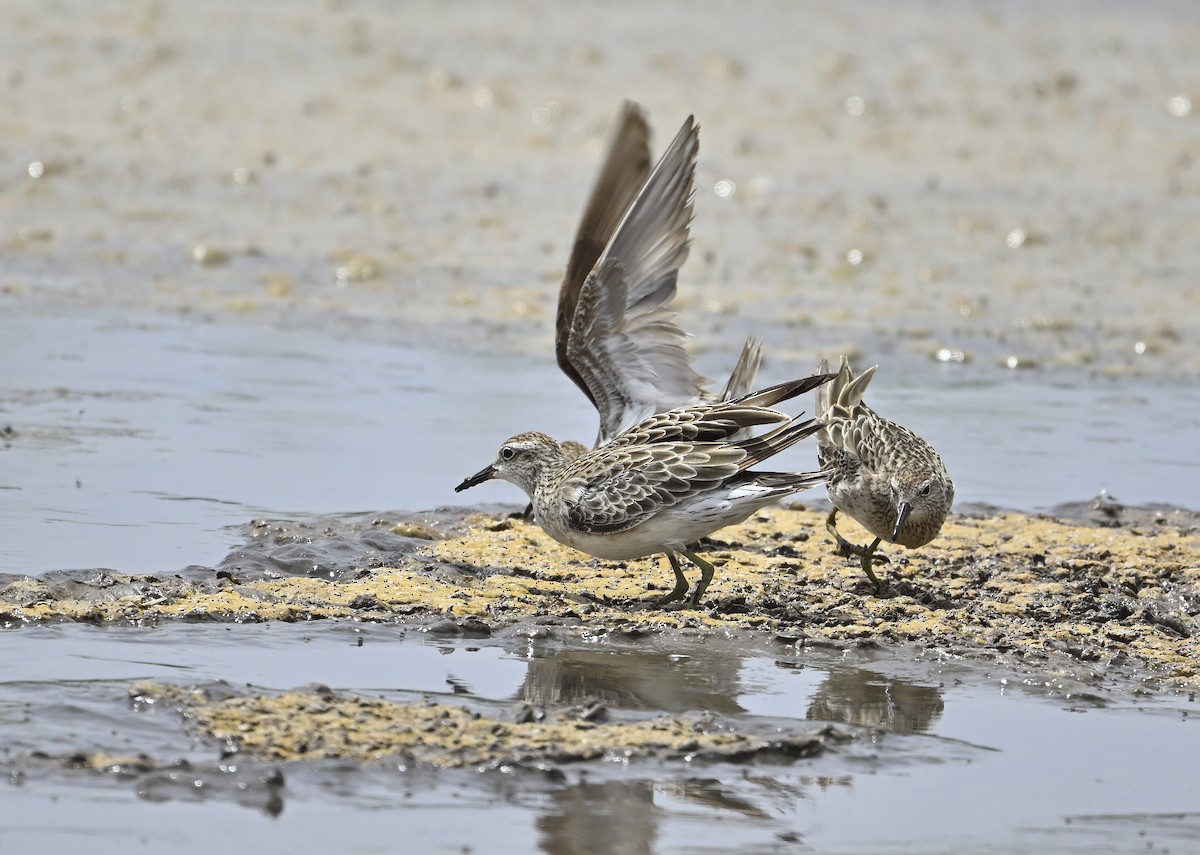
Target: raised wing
(625,169)
(627,352)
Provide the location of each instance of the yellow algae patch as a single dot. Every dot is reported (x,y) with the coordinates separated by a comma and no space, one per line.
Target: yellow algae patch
(530,573)
(1009,581)
(132,599)
(119,764)
(321,724)
(421,531)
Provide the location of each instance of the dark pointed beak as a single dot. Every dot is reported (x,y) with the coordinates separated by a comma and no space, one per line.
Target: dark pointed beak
(905,510)
(485,474)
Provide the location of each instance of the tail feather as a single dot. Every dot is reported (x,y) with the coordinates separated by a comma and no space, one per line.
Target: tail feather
(773,395)
(741,381)
(845,392)
(782,482)
(852,393)
(824,396)
(759,448)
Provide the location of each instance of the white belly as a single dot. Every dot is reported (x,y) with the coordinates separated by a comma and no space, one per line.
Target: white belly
(671,529)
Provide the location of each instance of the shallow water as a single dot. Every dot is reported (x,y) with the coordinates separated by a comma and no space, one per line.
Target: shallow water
(966,756)
(330,291)
(147,443)
(142,444)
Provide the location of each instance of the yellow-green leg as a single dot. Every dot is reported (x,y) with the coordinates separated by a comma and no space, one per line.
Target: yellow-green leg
(845,546)
(706,574)
(681,583)
(866,554)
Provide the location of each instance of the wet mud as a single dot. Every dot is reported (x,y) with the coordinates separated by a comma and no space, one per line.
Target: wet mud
(581,725)
(1120,589)
(565,696)
(323,724)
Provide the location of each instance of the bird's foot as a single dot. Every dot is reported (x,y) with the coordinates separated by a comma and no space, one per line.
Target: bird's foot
(675,595)
(846,549)
(679,605)
(873,585)
(524,516)
(868,557)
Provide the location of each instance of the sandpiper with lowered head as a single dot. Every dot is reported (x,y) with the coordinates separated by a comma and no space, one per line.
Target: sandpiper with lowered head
(880,473)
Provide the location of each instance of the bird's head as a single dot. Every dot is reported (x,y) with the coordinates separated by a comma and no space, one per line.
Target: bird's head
(521,460)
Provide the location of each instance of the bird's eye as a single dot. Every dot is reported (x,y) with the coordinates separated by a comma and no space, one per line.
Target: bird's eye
(926,489)
(507,452)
